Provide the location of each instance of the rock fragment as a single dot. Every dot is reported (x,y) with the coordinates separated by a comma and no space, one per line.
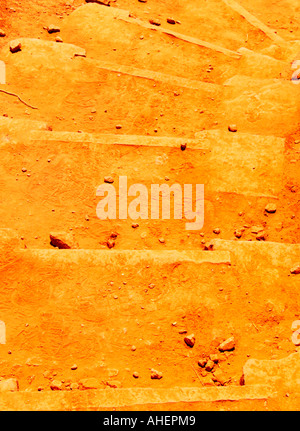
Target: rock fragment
(208,246)
(103,2)
(53,29)
(295,269)
(113,384)
(2,33)
(190,340)
(209,365)
(214,357)
(63,240)
(56,385)
(171,21)
(15,46)
(108,179)
(202,362)
(110,243)
(238,233)
(156,375)
(256,229)
(232,128)
(261,236)
(155,22)
(227,345)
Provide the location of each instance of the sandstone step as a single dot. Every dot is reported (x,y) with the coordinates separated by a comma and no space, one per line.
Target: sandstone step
(288,51)
(55,177)
(167,52)
(281,20)
(91,307)
(258,108)
(12,127)
(94,98)
(83,24)
(107,15)
(283,373)
(190,20)
(260,65)
(167,101)
(154,76)
(240,83)
(132,398)
(249,157)
(267,253)
(124,257)
(117,139)
(253,20)
(263,156)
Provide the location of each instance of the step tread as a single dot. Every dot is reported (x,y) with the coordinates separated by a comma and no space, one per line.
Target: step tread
(109,398)
(217,169)
(19,124)
(121,14)
(275,253)
(67,51)
(127,257)
(115,139)
(254,20)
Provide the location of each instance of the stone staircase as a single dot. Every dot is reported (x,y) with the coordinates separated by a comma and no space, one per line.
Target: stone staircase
(120,97)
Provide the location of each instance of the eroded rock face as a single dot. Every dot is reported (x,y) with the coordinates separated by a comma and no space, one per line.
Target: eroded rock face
(284,373)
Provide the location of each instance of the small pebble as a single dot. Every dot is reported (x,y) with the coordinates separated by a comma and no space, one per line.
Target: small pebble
(53,29)
(110,243)
(171,21)
(271,208)
(108,179)
(155,22)
(295,269)
(232,128)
